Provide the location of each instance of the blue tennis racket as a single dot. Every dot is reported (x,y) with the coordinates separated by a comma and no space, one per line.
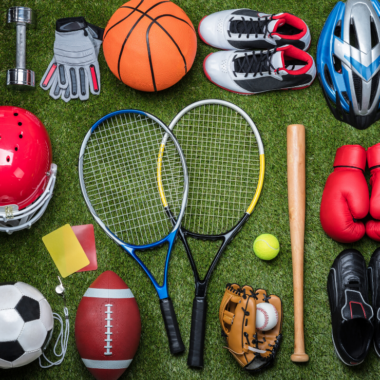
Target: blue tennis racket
(136,193)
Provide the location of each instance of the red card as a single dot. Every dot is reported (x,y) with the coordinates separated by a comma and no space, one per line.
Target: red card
(86,237)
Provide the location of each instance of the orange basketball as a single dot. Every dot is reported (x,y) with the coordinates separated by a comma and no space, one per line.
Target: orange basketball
(149,44)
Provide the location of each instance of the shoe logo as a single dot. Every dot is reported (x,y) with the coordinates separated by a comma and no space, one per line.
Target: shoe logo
(366,65)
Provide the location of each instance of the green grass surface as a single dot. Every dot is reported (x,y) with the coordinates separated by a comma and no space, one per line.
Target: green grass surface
(24,257)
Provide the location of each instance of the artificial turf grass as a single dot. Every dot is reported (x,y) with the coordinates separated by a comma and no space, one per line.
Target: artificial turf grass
(24,257)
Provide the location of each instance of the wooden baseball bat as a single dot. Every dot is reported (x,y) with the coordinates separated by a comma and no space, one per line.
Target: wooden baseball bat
(297,203)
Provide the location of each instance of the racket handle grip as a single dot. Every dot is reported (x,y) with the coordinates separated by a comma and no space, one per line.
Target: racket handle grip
(175,341)
(198,330)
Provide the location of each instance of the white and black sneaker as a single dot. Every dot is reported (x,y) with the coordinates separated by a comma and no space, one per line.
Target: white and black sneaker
(251,72)
(248,29)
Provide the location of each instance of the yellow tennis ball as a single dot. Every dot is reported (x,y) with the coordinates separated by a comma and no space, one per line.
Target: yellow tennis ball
(266,247)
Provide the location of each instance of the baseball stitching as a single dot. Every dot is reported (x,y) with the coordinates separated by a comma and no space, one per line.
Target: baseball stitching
(266,319)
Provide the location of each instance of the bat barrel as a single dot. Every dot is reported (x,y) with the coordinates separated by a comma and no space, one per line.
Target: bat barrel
(297,204)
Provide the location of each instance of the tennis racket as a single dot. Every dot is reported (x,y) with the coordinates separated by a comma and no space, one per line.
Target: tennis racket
(225,160)
(118,166)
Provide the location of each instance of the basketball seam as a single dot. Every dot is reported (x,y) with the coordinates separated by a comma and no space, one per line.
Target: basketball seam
(154,21)
(104,37)
(169,35)
(130,32)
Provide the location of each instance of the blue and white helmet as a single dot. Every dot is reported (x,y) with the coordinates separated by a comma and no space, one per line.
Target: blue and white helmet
(348,62)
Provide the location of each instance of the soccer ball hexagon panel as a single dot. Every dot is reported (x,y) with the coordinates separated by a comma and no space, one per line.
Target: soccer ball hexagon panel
(26,319)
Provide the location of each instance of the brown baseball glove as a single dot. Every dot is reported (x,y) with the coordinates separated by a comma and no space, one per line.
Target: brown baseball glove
(253,349)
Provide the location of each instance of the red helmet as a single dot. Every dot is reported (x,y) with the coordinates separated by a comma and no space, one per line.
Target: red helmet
(27,174)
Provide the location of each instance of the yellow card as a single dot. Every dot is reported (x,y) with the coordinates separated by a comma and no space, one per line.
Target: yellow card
(65,250)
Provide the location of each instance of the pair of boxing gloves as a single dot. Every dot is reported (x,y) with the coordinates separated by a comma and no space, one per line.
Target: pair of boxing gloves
(346,200)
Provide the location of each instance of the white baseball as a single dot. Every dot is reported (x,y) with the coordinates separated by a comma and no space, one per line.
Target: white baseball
(266,316)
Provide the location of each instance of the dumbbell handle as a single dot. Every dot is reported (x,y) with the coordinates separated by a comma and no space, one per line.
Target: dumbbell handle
(20,45)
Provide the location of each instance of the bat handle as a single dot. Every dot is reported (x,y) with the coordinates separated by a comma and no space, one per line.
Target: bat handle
(175,341)
(299,355)
(197,335)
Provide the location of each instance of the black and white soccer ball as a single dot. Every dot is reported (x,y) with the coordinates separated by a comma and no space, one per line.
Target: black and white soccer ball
(26,321)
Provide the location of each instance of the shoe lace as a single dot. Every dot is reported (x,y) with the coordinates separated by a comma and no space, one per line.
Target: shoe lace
(250,26)
(254,63)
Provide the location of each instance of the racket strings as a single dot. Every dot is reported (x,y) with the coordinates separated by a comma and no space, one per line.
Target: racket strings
(223,163)
(120,175)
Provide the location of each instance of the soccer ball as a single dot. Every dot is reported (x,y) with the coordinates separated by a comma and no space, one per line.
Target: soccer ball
(26,320)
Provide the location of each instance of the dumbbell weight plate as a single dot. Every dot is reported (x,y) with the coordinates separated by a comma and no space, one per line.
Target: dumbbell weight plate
(21,78)
(22,15)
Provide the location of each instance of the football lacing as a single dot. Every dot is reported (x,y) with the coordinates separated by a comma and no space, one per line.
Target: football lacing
(108,333)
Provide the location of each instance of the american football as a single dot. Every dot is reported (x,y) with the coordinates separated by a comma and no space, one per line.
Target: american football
(107,327)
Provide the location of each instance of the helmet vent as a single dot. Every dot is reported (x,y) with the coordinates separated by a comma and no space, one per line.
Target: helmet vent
(8,158)
(358,85)
(353,36)
(328,78)
(374,87)
(374,35)
(338,29)
(337,64)
(15,114)
(16,148)
(20,135)
(19,123)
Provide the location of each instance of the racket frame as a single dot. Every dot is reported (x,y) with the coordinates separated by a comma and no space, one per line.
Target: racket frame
(171,325)
(198,321)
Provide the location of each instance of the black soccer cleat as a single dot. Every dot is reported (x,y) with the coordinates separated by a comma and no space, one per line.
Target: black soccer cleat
(374,287)
(351,314)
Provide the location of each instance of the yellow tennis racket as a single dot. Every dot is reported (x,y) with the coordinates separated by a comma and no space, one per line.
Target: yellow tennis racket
(225,161)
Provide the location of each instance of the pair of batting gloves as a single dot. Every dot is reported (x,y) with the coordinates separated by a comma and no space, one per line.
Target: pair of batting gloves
(74,70)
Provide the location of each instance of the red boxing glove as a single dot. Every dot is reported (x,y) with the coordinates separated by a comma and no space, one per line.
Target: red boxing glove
(345,199)
(373,226)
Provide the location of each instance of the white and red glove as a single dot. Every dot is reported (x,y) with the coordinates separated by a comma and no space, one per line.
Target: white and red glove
(345,199)
(373,159)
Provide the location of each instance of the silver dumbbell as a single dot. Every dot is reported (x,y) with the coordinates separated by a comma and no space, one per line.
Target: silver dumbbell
(21,77)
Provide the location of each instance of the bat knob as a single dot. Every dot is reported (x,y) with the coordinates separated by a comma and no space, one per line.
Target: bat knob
(299,358)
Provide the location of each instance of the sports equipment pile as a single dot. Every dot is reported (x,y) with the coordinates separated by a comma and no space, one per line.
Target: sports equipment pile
(148,184)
